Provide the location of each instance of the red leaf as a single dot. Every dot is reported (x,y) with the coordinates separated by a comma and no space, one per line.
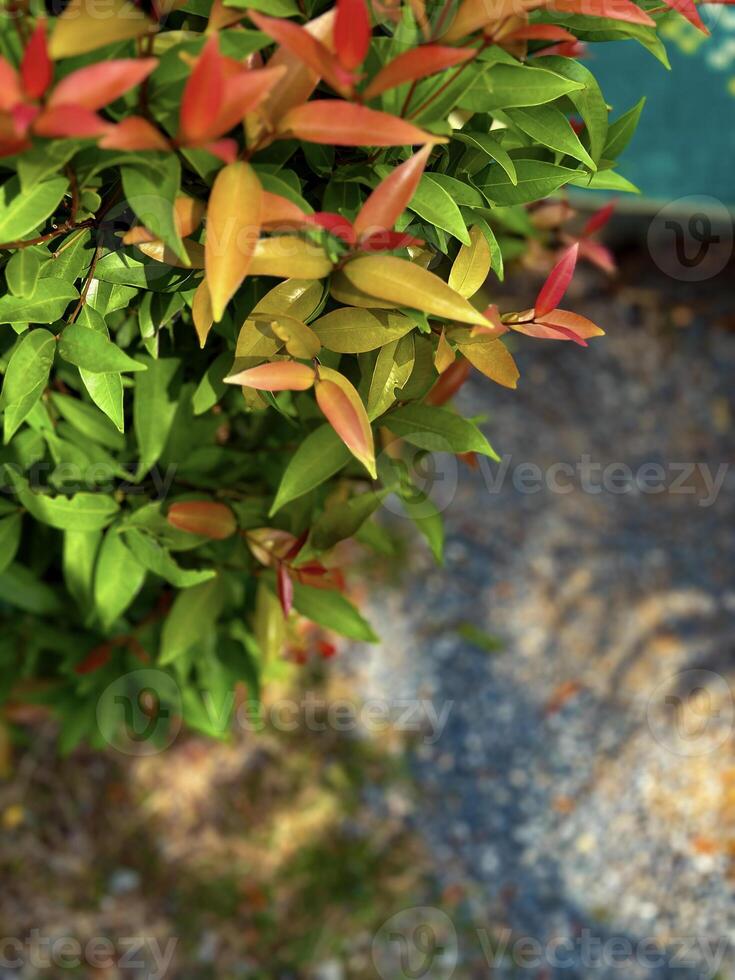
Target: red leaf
(388,241)
(95,659)
(335,224)
(352,33)
(599,219)
(392,195)
(449,382)
(243,93)
(416,64)
(566,49)
(547,331)
(345,412)
(597,254)
(97,85)
(299,42)
(206,518)
(66,121)
(203,95)
(688,9)
(36,69)
(226,149)
(344,124)
(623,10)
(134,133)
(556,285)
(285,588)
(275,376)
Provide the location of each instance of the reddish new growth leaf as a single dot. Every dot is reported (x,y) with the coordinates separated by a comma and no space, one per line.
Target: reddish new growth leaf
(36,69)
(276,376)
(556,285)
(285,587)
(206,518)
(351,33)
(413,65)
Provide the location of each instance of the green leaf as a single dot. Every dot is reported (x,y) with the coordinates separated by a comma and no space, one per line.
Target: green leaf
(49,301)
(156,559)
(106,388)
(588,101)
(91,350)
(433,203)
(192,615)
(621,131)
(21,588)
(330,609)
(393,368)
(22,211)
(342,520)
(536,179)
(80,512)
(79,556)
(489,145)
(320,456)
(10,528)
(21,272)
(26,377)
(515,85)
(72,257)
(88,421)
(423,512)
(350,330)
(118,578)
(154,410)
(438,430)
(150,189)
(123,269)
(547,125)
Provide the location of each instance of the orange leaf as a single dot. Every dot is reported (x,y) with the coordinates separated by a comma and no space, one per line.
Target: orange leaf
(539,32)
(415,64)
(201,312)
(473,14)
(390,198)
(444,355)
(275,376)
(203,95)
(352,32)
(66,121)
(278,213)
(203,517)
(233,225)
(346,413)
(10,90)
(556,285)
(299,42)
(298,80)
(97,85)
(581,326)
(345,124)
(160,252)
(244,92)
(133,133)
(36,69)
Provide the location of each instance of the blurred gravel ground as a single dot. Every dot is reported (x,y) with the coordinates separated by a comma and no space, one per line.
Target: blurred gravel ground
(559,800)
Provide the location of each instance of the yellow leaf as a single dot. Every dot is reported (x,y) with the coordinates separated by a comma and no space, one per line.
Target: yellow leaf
(472,265)
(300,340)
(344,292)
(295,297)
(233,225)
(405,284)
(491,356)
(256,339)
(354,331)
(160,252)
(85,25)
(288,255)
(393,368)
(201,312)
(444,356)
(346,413)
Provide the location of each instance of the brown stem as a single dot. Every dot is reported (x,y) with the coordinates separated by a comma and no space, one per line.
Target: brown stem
(62,228)
(88,281)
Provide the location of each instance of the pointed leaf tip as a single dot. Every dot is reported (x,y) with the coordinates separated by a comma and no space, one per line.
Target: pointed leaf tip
(558,282)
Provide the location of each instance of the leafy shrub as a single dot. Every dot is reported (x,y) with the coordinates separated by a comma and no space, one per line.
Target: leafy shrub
(238,250)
